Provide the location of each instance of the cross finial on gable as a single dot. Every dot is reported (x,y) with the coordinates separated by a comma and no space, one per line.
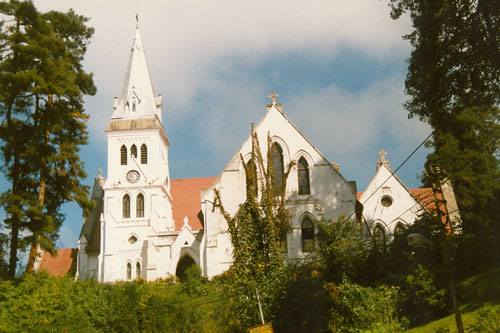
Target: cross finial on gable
(382,154)
(273,97)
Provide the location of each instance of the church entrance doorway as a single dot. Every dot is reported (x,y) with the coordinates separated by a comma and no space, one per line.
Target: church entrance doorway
(182,266)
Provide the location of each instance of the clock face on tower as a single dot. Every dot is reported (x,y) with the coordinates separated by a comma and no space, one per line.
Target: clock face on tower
(133,176)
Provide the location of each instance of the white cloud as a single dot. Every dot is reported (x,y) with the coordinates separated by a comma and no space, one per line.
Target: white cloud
(184,39)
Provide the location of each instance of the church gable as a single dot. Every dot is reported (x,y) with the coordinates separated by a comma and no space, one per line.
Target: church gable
(388,204)
(314,187)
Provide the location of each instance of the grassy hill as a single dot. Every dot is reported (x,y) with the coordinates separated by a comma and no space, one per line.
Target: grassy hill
(480,309)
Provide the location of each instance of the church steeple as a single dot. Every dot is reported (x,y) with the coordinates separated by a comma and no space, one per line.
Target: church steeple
(137,99)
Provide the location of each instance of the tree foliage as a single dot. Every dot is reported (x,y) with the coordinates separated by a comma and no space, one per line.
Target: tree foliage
(453,82)
(43,123)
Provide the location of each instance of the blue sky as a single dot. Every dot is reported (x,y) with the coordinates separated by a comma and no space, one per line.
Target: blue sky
(338,66)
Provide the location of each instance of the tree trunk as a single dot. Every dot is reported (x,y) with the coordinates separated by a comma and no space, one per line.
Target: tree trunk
(14,223)
(41,200)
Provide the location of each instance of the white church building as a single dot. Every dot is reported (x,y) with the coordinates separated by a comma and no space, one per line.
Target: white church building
(147,225)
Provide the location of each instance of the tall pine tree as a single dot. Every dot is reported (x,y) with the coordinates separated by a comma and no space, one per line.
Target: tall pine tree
(42,84)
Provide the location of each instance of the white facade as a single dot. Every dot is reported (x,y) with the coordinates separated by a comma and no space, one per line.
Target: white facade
(329,191)
(388,204)
(140,228)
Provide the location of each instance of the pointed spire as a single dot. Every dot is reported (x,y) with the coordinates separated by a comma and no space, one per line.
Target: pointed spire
(137,99)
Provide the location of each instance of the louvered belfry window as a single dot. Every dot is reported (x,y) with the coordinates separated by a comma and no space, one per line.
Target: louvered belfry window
(123,155)
(133,151)
(144,154)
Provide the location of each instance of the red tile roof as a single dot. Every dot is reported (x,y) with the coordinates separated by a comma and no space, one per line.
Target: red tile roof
(63,263)
(186,194)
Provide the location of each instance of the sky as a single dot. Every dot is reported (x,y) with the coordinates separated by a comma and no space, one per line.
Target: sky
(338,66)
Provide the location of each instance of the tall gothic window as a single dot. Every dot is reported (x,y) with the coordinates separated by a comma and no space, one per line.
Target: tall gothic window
(123,155)
(129,271)
(251,177)
(379,237)
(303,174)
(138,270)
(133,151)
(140,205)
(307,228)
(126,206)
(144,154)
(277,163)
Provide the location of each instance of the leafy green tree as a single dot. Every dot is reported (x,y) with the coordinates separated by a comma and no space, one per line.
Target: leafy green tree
(343,251)
(42,84)
(453,82)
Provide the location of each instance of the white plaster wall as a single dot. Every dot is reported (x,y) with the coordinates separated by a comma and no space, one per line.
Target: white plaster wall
(404,208)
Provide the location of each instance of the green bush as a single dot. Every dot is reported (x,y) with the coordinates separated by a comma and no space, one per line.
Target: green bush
(44,303)
(354,307)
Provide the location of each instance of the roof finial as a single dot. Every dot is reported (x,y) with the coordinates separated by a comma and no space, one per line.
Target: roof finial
(273,96)
(137,19)
(382,154)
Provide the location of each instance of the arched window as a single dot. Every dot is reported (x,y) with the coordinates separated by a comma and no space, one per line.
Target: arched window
(123,155)
(277,163)
(399,230)
(126,206)
(138,270)
(379,237)
(140,205)
(144,154)
(133,151)
(307,228)
(303,174)
(129,271)
(251,177)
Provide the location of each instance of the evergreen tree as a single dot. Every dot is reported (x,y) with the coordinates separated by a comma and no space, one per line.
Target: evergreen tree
(453,82)
(42,84)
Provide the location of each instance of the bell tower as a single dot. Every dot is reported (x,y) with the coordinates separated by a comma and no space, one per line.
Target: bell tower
(137,199)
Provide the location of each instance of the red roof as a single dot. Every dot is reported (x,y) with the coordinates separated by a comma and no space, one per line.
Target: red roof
(63,263)
(425,196)
(186,195)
